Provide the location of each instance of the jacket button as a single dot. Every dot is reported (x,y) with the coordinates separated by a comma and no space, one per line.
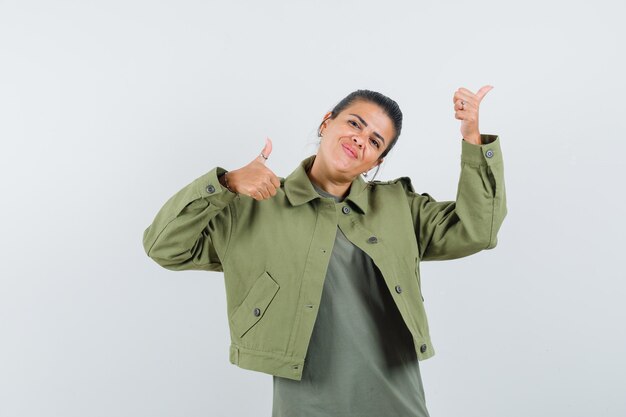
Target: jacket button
(345,209)
(210,189)
(398,289)
(257,311)
(423,348)
(372,239)
(489,153)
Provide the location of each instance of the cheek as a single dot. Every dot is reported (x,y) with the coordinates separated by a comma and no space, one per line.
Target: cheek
(372,153)
(338,131)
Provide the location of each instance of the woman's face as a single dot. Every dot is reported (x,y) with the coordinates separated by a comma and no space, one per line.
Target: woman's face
(353,141)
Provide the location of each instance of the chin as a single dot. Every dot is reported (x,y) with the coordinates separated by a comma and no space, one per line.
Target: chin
(341,168)
(340,165)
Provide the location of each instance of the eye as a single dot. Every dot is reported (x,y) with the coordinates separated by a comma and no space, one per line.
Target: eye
(353,123)
(375,142)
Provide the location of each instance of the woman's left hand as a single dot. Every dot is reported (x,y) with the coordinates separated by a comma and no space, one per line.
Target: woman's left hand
(466,106)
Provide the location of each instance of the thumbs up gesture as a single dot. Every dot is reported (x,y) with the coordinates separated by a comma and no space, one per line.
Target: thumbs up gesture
(255,179)
(466,106)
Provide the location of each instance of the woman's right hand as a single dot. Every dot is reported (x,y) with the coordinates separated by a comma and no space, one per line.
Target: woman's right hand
(255,179)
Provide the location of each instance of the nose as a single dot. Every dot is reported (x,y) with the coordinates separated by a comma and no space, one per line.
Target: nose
(358,140)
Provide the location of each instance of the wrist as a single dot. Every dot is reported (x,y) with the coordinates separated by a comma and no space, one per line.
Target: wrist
(473,139)
(224,181)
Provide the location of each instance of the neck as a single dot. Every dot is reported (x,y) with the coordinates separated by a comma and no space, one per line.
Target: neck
(336,186)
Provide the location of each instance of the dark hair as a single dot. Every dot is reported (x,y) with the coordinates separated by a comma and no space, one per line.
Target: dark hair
(389,106)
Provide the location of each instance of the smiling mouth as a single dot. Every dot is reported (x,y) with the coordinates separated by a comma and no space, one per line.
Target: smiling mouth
(349,151)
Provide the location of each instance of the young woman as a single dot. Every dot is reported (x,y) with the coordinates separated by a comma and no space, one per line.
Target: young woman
(322,268)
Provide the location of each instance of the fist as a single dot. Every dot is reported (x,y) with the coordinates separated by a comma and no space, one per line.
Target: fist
(466,106)
(255,179)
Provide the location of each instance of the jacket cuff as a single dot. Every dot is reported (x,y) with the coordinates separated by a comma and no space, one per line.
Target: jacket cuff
(488,153)
(208,186)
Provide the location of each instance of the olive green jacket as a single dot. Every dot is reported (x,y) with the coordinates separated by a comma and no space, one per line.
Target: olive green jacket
(275,252)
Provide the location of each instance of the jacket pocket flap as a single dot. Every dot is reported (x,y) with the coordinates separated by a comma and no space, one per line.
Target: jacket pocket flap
(254,305)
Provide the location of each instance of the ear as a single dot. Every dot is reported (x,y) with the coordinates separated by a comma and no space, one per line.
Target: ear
(325,121)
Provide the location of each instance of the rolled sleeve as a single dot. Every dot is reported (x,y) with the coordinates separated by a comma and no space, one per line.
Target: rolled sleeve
(488,153)
(455,229)
(192,228)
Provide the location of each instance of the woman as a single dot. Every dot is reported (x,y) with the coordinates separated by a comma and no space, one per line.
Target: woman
(322,268)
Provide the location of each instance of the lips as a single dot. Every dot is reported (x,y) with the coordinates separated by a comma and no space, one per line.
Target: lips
(349,151)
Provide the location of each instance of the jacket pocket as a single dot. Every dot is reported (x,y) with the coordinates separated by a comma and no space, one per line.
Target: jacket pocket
(254,305)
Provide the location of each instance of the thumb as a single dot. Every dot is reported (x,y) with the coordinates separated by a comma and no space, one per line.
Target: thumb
(267,150)
(483,91)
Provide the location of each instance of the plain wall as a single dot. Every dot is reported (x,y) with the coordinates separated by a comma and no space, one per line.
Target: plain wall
(107,108)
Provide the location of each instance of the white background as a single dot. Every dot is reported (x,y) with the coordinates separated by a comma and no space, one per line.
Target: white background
(107,108)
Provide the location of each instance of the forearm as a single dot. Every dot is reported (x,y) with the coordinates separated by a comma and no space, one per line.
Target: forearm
(469,224)
(181,235)
(481,197)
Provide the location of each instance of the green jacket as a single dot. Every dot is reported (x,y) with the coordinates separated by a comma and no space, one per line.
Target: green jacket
(274,253)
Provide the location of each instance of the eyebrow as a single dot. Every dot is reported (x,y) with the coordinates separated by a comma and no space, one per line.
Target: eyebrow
(365,124)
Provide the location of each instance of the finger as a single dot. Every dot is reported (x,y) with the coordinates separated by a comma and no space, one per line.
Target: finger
(459,105)
(272,179)
(270,189)
(275,181)
(267,150)
(483,91)
(462,95)
(264,192)
(460,114)
(466,91)
(463,105)
(254,193)
(467,116)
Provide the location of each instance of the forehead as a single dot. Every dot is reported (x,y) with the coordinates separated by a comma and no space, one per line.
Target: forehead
(374,116)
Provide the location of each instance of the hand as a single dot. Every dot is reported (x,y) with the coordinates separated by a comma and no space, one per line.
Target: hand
(255,179)
(468,112)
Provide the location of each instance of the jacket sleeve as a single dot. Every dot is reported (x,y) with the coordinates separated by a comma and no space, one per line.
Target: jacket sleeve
(454,229)
(192,229)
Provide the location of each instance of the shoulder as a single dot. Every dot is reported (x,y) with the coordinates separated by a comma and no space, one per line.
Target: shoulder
(403,182)
(402,186)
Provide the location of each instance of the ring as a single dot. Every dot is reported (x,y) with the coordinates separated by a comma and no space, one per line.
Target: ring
(462,106)
(264,157)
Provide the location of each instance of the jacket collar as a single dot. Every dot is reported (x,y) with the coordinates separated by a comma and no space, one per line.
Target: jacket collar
(299,189)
